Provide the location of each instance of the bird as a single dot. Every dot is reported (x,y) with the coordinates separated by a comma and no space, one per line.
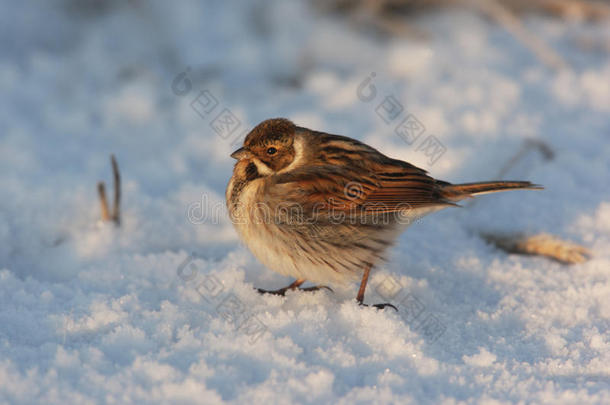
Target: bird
(326,208)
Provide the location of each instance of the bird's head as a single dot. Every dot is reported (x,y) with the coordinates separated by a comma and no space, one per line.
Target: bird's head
(270,146)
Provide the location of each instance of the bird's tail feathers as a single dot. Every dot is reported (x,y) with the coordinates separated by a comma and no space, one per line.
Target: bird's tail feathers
(456,192)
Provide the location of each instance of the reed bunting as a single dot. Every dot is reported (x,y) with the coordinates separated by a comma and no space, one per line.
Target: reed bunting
(325,208)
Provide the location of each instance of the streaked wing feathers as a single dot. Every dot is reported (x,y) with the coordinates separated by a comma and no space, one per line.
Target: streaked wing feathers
(385,185)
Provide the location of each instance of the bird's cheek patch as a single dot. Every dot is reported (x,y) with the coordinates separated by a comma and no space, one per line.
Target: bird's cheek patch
(264,169)
(252,172)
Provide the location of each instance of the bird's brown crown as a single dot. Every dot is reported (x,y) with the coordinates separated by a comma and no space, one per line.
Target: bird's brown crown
(271,142)
(269,131)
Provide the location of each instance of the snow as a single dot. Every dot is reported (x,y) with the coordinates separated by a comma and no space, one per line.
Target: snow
(163,309)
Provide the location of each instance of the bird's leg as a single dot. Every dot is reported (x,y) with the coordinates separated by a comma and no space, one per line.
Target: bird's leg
(365,279)
(360,296)
(293,286)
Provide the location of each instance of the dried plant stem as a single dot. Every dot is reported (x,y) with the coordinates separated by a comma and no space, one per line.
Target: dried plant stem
(116,213)
(529,144)
(374,13)
(540,245)
(115,216)
(593,10)
(394,17)
(504,16)
(101,190)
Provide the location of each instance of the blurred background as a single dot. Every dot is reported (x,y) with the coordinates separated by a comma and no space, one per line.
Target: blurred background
(469,90)
(171,90)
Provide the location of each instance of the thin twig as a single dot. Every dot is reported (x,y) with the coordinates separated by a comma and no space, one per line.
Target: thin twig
(101,190)
(592,10)
(512,24)
(116,213)
(392,17)
(529,144)
(115,216)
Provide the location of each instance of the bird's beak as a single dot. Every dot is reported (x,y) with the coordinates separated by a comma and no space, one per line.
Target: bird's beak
(241,153)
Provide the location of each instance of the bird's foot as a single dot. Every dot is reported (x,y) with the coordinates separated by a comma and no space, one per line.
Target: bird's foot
(282,291)
(316,288)
(379,306)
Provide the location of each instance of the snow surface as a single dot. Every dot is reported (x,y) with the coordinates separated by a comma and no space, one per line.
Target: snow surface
(94,314)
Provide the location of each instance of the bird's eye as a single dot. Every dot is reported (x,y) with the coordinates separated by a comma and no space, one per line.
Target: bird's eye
(271,151)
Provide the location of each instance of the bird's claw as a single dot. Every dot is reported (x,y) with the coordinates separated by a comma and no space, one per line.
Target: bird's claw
(379,306)
(316,288)
(282,291)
